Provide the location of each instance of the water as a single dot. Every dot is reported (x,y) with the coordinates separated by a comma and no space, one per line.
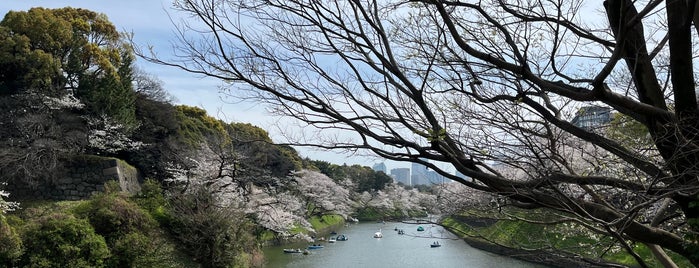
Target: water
(393,250)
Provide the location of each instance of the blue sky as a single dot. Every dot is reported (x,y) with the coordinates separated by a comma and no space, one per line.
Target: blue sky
(150,22)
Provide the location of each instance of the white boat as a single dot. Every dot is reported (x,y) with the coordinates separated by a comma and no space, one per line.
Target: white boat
(378,234)
(292,250)
(332,240)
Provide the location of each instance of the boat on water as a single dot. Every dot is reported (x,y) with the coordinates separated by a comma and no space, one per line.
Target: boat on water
(342,237)
(400,231)
(315,246)
(332,240)
(378,234)
(435,245)
(293,250)
(333,233)
(420,229)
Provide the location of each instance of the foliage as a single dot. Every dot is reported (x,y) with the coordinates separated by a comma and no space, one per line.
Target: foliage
(11,242)
(130,230)
(69,48)
(144,249)
(61,240)
(213,235)
(22,66)
(113,216)
(151,199)
(195,126)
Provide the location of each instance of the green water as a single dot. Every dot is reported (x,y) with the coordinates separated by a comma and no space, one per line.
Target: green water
(392,250)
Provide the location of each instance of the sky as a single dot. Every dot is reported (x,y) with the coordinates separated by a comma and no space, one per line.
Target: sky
(151,23)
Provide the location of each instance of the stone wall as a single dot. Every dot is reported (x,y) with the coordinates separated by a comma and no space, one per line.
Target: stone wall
(82,176)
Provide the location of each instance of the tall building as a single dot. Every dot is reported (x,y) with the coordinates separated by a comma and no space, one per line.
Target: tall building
(401,175)
(591,117)
(380,167)
(418,174)
(435,178)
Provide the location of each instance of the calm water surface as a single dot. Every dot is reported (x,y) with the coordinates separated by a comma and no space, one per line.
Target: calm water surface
(393,250)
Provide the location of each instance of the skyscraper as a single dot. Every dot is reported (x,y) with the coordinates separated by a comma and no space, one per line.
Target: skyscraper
(401,175)
(380,167)
(419,174)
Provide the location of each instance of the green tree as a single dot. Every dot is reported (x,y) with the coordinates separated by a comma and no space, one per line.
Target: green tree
(56,51)
(61,240)
(24,67)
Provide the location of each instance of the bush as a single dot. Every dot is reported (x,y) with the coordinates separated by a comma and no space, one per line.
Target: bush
(152,200)
(10,243)
(215,236)
(113,215)
(130,231)
(137,249)
(61,240)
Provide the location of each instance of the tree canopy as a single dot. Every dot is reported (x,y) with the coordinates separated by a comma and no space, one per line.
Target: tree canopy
(64,50)
(488,87)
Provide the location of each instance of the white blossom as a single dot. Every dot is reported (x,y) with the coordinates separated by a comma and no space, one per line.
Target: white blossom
(6,206)
(109,136)
(67,101)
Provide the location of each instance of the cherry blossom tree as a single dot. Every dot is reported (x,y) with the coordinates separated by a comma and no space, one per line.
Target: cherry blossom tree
(320,194)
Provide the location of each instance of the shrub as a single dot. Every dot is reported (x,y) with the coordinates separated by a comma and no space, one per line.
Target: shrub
(215,236)
(10,243)
(113,215)
(137,249)
(152,200)
(61,240)
(130,231)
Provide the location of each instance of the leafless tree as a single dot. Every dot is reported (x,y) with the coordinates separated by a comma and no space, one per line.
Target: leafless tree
(478,84)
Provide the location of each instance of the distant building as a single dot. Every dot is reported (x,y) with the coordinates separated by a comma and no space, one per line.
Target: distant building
(380,167)
(401,175)
(591,117)
(419,174)
(435,178)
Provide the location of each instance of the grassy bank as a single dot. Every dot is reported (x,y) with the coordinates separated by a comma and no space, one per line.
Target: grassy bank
(373,214)
(324,223)
(566,240)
